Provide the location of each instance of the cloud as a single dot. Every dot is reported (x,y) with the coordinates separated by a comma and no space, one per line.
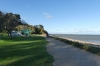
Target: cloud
(84,31)
(47,15)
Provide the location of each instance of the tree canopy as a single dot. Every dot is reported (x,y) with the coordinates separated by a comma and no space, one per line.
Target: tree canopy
(10,21)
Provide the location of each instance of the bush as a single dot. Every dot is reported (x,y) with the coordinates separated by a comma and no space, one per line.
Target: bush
(85,47)
(94,50)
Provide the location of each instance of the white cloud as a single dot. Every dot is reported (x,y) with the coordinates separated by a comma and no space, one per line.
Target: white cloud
(47,15)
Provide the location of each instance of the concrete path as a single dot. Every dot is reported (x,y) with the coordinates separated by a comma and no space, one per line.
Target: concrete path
(67,55)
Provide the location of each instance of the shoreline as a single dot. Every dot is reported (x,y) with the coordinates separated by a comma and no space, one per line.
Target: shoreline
(88,46)
(80,41)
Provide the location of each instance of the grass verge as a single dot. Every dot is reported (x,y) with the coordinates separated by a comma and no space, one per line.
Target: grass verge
(24,51)
(91,49)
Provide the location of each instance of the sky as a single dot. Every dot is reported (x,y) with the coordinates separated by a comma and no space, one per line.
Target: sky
(58,16)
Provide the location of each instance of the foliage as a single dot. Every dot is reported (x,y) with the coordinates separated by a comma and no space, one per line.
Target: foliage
(36,29)
(10,21)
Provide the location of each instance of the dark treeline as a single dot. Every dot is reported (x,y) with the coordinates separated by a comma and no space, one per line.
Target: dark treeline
(10,21)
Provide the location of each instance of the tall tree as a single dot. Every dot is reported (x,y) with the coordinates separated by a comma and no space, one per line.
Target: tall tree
(1,21)
(11,21)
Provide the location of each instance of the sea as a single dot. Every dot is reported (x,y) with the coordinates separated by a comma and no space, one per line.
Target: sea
(82,37)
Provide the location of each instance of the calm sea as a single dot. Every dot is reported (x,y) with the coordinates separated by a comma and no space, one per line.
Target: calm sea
(89,38)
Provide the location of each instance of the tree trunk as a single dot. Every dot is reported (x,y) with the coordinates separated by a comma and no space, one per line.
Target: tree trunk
(9,34)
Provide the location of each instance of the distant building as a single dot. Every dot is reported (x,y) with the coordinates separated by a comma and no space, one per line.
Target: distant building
(15,33)
(25,32)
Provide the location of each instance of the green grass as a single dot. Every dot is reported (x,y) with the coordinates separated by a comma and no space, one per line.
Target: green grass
(24,51)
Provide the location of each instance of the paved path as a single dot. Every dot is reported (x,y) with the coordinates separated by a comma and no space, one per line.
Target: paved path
(67,55)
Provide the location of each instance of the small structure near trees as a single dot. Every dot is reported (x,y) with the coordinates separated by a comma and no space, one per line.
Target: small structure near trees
(25,32)
(15,33)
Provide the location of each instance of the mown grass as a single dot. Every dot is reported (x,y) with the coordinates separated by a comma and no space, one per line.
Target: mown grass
(24,51)
(91,49)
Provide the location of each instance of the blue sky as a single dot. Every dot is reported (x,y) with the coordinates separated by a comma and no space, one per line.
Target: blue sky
(58,16)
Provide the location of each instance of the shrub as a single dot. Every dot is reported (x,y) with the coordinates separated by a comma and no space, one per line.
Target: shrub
(94,50)
(85,47)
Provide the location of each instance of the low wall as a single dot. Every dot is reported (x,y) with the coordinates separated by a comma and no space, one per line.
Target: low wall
(83,42)
(88,46)
(79,41)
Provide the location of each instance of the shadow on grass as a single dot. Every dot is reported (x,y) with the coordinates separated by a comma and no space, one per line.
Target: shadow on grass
(26,54)
(20,38)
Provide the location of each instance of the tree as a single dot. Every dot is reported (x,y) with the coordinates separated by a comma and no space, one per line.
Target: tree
(47,34)
(11,21)
(41,27)
(1,21)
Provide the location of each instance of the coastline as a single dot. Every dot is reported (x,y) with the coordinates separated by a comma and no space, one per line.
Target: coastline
(80,41)
(83,37)
(88,46)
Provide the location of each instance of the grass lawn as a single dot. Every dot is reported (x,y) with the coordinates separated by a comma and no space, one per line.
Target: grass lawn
(24,51)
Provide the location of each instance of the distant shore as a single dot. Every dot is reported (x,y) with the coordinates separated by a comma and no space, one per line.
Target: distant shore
(87,38)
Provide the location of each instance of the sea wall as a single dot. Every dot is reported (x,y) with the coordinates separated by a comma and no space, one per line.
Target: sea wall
(88,46)
(79,41)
